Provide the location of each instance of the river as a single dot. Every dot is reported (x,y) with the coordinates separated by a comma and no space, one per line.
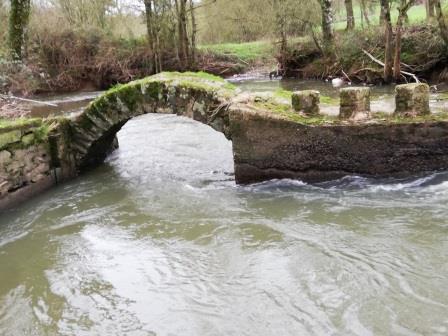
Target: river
(161,241)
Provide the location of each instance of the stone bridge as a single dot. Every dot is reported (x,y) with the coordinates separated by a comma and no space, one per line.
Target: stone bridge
(202,97)
(271,137)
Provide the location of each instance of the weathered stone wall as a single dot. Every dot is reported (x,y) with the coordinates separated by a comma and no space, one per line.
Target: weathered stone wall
(267,148)
(24,162)
(33,157)
(270,138)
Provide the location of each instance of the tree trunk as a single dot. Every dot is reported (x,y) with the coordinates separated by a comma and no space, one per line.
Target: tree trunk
(388,60)
(183,43)
(402,15)
(441,20)
(430,9)
(152,35)
(350,14)
(365,12)
(397,56)
(383,13)
(327,27)
(194,30)
(18,24)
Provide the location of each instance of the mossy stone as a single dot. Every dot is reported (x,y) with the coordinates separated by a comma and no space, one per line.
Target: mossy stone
(355,103)
(9,138)
(306,102)
(412,100)
(28,139)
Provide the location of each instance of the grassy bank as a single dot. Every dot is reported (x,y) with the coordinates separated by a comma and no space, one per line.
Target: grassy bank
(248,52)
(416,16)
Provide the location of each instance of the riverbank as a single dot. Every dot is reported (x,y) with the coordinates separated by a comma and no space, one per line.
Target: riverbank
(423,54)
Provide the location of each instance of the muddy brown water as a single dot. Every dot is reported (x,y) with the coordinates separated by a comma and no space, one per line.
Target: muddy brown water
(160,241)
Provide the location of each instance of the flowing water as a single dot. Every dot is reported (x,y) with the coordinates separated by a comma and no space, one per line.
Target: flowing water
(160,241)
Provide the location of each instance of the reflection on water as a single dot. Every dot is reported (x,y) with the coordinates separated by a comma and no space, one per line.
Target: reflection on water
(160,241)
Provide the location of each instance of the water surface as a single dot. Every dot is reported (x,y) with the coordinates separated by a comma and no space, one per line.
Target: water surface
(160,241)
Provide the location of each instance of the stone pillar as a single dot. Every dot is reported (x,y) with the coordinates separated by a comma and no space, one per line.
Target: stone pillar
(412,100)
(355,103)
(306,102)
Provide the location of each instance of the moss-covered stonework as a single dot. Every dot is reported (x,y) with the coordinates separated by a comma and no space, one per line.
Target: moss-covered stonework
(306,102)
(270,139)
(268,148)
(199,96)
(28,163)
(355,103)
(412,100)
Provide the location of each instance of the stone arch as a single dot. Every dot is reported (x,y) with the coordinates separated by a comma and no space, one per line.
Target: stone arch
(199,96)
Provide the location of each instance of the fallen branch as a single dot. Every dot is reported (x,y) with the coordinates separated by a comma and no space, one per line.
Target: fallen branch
(28,100)
(346,76)
(377,61)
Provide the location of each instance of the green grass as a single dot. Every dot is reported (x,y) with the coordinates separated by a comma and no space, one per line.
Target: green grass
(200,80)
(246,52)
(416,14)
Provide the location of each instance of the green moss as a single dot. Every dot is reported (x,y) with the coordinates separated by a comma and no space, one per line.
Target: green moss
(9,137)
(41,133)
(194,77)
(397,119)
(153,89)
(286,112)
(6,124)
(281,93)
(329,100)
(22,133)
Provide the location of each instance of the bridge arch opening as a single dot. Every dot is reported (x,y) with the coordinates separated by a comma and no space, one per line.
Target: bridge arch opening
(199,96)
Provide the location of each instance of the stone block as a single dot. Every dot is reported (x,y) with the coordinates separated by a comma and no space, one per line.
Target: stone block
(306,102)
(412,100)
(28,139)
(355,103)
(9,138)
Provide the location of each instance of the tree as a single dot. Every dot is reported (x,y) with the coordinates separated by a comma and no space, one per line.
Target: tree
(81,13)
(152,34)
(441,20)
(327,27)
(194,30)
(182,33)
(430,9)
(18,24)
(364,12)
(350,14)
(388,33)
(403,9)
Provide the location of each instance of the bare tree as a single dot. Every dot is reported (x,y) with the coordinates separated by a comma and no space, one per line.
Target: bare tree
(403,9)
(388,47)
(441,20)
(327,27)
(182,33)
(81,13)
(18,25)
(364,12)
(350,14)
(430,9)
(194,30)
